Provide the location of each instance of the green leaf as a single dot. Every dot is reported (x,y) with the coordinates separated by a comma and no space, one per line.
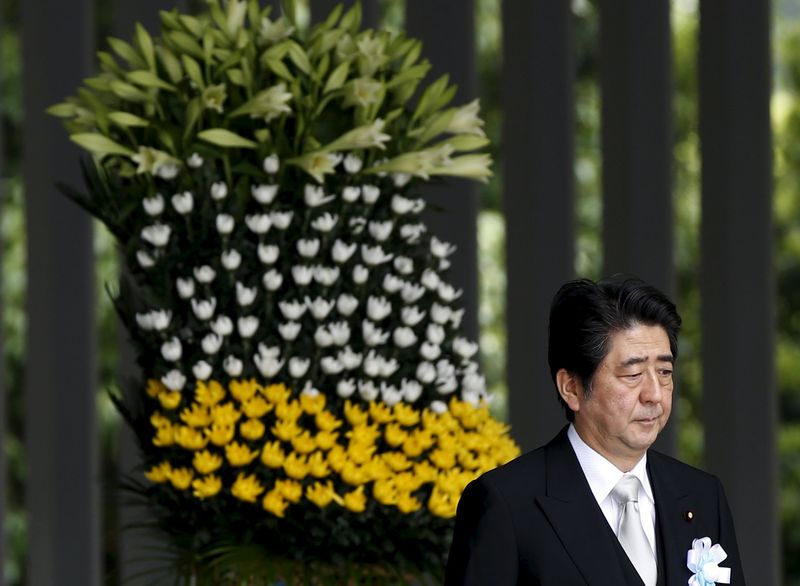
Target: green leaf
(127,52)
(149,79)
(171,64)
(236,77)
(333,17)
(99,144)
(226,138)
(108,63)
(323,66)
(62,110)
(192,25)
(413,54)
(279,68)
(145,43)
(169,19)
(263,135)
(165,138)
(299,57)
(416,72)
(193,111)
(466,142)
(217,15)
(193,71)
(352,20)
(127,119)
(208,47)
(128,92)
(337,78)
(100,83)
(186,43)
(430,96)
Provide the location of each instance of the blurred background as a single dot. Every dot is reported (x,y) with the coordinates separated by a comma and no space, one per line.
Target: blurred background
(662,140)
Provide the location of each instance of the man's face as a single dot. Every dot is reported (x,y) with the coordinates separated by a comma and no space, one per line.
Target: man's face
(631,396)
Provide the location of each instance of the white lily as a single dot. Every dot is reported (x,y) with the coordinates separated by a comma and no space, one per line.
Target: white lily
(225,223)
(144,259)
(302,274)
(247,326)
(289,330)
(374,255)
(219,191)
(346,304)
(292,310)
(153,206)
(378,308)
(298,366)
(268,253)
(183,202)
(267,104)
(172,350)
(314,195)
(370,193)
(204,274)
(319,307)
(373,336)
(326,276)
(341,251)
(258,223)
(411,390)
(412,292)
(271,164)
(360,274)
(281,220)
(174,380)
(308,247)
(426,372)
(345,388)
(404,337)
(351,193)
(367,390)
(466,120)
(202,370)
(412,315)
(362,137)
(325,223)
(245,295)
(230,259)
(272,280)
(392,283)
(380,231)
(204,308)
(185,287)
(222,326)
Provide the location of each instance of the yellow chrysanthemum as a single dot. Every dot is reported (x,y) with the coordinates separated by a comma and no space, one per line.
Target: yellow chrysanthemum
(285,430)
(252,429)
(397,461)
(380,412)
(354,474)
(377,469)
(207,486)
(155,388)
(327,421)
(277,394)
(239,455)
(256,407)
(304,443)
(242,390)
(385,491)
(165,436)
(413,447)
(312,404)
(395,435)
(289,411)
(443,459)
(295,466)
(220,435)
(190,438)
(209,394)
(354,414)
(291,490)
(181,478)
(225,414)
(360,452)
(425,471)
(205,462)
(247,487)
(272,455)
(159,473)
(326,439)
(468,460)
(337,457)
(356,500)
(442,504)
(158,420)
(169,399)
(322,494)
(405,414)
(318,466)
(408,482)
(274,503)
(196,416)
(408,503)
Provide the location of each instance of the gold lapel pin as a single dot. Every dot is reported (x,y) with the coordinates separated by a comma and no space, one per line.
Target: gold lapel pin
(688,516)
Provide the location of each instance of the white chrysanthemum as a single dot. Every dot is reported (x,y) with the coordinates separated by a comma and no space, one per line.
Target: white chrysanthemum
(272,280)
(426,372)
(258,223)
(340,332)
(219,190)
(380,231)
(367,390)
(351,193)
(204,308)
(231,259)
(331,366)
(144,259)
(435,333)
(185,287)
(308,247)
(202,370)
(448,293)
(352,164)
(374,255)
(326,276)
(174,380)
(264,194)
(172,350)
(430,279)
(373,336)
(412,292)
(411,390)
(225,223)
(302,274)
(360,274)
(378,308)
(440,314)
(222,326)
(357,225)
(322,337)
(403,265)
(350,358)
(268,253)
(412,315)
(404,337)
(314,196)
(153,206)
(298,366)
(441,249)
(325,223)
(247,326)
(233,366)
(345,388)
(195,161)
(292,310)
(319,307)
(464,348)
(370,193)
(281,220)
(272,164)
(438,407)
(346,304)
(289,330)
(245,295)
(392,283)
(183,202)
(430,351)
(204,274)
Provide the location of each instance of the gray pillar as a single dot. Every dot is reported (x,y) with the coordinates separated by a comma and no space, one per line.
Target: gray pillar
(538,199)
(453,53)
(369,10)
(60,422)
(736,277)
(635,62)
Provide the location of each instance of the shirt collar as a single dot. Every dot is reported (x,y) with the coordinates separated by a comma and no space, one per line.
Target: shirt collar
(601,474)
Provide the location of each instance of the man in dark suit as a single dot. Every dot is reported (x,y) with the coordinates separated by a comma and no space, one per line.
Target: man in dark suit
(595,505)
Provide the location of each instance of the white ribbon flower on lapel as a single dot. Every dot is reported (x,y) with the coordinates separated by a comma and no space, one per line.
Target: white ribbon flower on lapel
(702,559)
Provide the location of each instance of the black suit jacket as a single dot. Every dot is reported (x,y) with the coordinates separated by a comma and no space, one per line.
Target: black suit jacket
(535,521)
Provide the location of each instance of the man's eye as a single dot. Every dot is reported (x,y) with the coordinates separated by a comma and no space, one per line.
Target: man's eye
(633,376)
(665,372)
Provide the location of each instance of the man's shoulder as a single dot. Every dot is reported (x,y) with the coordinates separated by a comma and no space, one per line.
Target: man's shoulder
(525,475)
(679,472)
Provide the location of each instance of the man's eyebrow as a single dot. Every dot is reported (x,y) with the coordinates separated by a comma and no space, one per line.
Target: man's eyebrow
(639,359)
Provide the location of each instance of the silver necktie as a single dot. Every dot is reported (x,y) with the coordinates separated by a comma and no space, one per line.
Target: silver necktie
(631,533)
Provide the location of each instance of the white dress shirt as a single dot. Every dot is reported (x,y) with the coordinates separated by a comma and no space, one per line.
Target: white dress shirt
(603,476)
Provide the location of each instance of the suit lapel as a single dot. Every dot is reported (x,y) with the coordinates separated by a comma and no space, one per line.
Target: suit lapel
(672,501)
(577,520)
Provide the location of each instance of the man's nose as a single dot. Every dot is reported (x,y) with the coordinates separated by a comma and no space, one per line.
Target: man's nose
(651,388)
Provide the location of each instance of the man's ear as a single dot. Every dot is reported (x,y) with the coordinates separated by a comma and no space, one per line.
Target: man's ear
(570,389)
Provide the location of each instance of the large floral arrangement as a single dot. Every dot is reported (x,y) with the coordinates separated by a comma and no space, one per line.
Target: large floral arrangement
(309,397)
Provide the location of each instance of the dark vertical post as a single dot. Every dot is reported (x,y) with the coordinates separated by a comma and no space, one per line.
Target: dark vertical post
(635,62)
(452,53)
(737,280)
(3,476)
(369,10)
(539,200)
(60,422)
